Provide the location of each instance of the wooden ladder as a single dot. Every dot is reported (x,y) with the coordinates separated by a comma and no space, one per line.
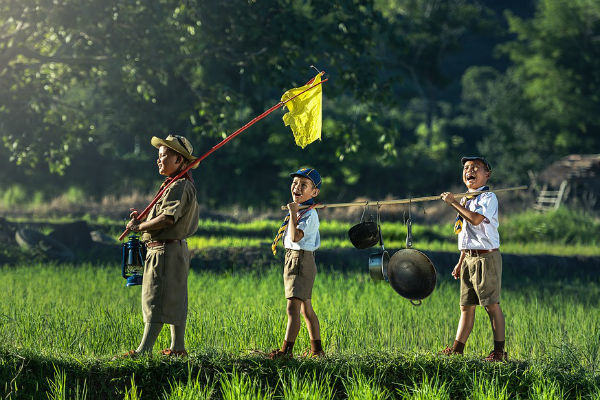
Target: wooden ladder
(549,200)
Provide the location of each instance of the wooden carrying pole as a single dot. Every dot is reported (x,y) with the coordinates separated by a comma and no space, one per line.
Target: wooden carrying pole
(144,213)
(404,201)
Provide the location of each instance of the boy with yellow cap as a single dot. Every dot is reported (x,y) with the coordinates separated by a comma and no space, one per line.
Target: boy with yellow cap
(173,218)
(301,238)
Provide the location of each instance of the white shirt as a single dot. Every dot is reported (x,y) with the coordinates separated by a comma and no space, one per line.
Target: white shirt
(485,235)
(309,224)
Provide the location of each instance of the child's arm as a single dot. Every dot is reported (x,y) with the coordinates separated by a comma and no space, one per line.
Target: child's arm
(156,223)
(470,216)
(295,234)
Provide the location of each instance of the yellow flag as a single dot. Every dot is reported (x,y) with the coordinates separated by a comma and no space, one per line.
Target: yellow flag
(304,112)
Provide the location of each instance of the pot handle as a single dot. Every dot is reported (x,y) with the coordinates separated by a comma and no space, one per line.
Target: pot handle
(364,210)
(409,238)
(416,304)
(379,228)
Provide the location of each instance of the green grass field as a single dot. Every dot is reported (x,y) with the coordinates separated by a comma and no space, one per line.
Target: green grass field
(60,326)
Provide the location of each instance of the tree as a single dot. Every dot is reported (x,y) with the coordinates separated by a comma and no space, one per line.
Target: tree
(546,105)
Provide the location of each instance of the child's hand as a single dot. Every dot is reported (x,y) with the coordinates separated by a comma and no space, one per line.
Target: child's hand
(293,207)
(134,225)
(133,213)
(456,271)
(448,197)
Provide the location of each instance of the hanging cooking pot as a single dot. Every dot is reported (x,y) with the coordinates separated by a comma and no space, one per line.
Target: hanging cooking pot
(378,262)
(410,272)
(365,234)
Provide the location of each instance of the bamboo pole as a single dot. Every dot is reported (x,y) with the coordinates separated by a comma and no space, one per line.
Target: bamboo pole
(404,201)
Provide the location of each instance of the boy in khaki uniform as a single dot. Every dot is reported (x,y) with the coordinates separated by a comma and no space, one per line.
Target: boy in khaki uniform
(301,240)
(173,218)
(479,266)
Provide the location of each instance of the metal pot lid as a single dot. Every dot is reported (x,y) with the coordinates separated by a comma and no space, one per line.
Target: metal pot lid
(411,274)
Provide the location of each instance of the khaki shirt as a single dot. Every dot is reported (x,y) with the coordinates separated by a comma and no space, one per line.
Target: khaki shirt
(179,201)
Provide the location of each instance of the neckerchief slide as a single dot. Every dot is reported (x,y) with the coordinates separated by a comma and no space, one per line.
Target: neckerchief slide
(458,223)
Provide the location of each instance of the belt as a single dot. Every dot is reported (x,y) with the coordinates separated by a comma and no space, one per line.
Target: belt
(478,252)
(300,251)
(160,242)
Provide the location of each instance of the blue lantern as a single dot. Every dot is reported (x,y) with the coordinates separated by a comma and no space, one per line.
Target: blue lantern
(132,265)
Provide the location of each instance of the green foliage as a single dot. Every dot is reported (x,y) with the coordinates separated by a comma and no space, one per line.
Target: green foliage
(360,387)
(239,386)
(86,84)
(14,195)
(545,105)
(546,389)
(488,389)
(132,393)
(429,388)
(306,386)
(563,226)
(193,389)
(58,389)
(75,195)
(206,68)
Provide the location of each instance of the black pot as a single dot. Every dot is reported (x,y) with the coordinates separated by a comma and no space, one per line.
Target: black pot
(411,274)
(364,235)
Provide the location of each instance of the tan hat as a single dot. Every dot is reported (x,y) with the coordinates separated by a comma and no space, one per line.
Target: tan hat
(177,143)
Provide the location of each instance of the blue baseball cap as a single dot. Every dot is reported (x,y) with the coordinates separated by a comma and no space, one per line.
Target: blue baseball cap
(483,160)
(311,174)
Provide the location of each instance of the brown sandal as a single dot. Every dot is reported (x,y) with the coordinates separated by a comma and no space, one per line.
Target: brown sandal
(313,354)
(174,353)
(449,351)
(497,355)
(278,354)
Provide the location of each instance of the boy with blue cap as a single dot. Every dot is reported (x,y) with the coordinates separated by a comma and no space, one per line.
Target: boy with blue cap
(479,266)
(301,238)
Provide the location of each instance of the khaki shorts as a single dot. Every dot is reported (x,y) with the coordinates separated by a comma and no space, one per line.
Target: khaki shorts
(299,273)
(480,279)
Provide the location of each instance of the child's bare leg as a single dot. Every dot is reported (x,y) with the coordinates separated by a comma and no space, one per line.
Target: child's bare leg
(293,313)
(151,331)
(497,320)
(314,329)
(465,324)
(177,337)
(312,322)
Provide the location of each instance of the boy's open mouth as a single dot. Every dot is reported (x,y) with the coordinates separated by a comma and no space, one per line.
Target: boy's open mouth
(470,177)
